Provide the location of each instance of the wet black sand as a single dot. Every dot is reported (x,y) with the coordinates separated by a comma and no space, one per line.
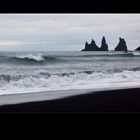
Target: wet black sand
(122,100)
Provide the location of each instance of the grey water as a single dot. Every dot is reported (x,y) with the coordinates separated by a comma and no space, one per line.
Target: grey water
(22,72)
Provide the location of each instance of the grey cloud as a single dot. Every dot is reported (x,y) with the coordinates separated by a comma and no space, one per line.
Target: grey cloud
(62,29)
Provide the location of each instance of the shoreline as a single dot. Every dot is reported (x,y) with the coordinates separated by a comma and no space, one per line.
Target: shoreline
(26,97)
(114,100)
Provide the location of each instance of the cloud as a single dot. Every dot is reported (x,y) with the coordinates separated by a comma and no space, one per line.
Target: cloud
(63,29)
(10,43)
(29,24)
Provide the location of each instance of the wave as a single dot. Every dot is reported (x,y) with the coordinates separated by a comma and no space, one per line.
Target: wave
(136,53)
(115,54)
(42,58)
(65,81)
(31,59)
(35,57)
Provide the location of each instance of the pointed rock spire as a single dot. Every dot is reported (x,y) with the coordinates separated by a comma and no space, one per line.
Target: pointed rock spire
(122,45)
(86,45)
(92,42)
(104,46)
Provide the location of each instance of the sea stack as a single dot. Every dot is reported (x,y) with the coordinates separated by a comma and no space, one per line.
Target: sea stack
(104,46)
(91,47)
(121,46)
(138,49)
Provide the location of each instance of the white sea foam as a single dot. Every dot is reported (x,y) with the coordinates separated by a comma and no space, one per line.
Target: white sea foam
(96,80)
(137,53)
(66,71)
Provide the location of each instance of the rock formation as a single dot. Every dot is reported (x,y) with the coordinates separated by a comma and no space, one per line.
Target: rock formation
(138,49)
(121,46)
(93,47)
(104,46)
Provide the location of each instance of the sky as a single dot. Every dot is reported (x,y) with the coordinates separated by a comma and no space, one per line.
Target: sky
(66,32)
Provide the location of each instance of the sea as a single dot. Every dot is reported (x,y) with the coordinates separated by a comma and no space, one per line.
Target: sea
(39,71)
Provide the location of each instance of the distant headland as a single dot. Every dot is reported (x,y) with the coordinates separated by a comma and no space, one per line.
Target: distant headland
(104,46)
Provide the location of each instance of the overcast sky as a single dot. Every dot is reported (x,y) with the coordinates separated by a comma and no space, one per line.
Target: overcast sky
(67,32)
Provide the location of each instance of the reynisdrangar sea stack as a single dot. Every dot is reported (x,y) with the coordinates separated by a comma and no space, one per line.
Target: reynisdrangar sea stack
(122,45)
(104,46)
(93,47)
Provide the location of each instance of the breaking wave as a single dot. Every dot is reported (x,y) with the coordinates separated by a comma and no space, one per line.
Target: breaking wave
(67,70)
(30,59)
(43,81)
(40,58)
(35,57)
(136,53)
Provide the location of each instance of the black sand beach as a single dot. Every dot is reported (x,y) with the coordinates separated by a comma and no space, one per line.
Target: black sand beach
(120,100)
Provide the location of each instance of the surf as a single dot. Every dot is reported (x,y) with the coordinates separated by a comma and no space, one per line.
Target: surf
(11,84)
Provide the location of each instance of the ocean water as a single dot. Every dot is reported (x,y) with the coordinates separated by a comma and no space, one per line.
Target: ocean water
(22,72)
